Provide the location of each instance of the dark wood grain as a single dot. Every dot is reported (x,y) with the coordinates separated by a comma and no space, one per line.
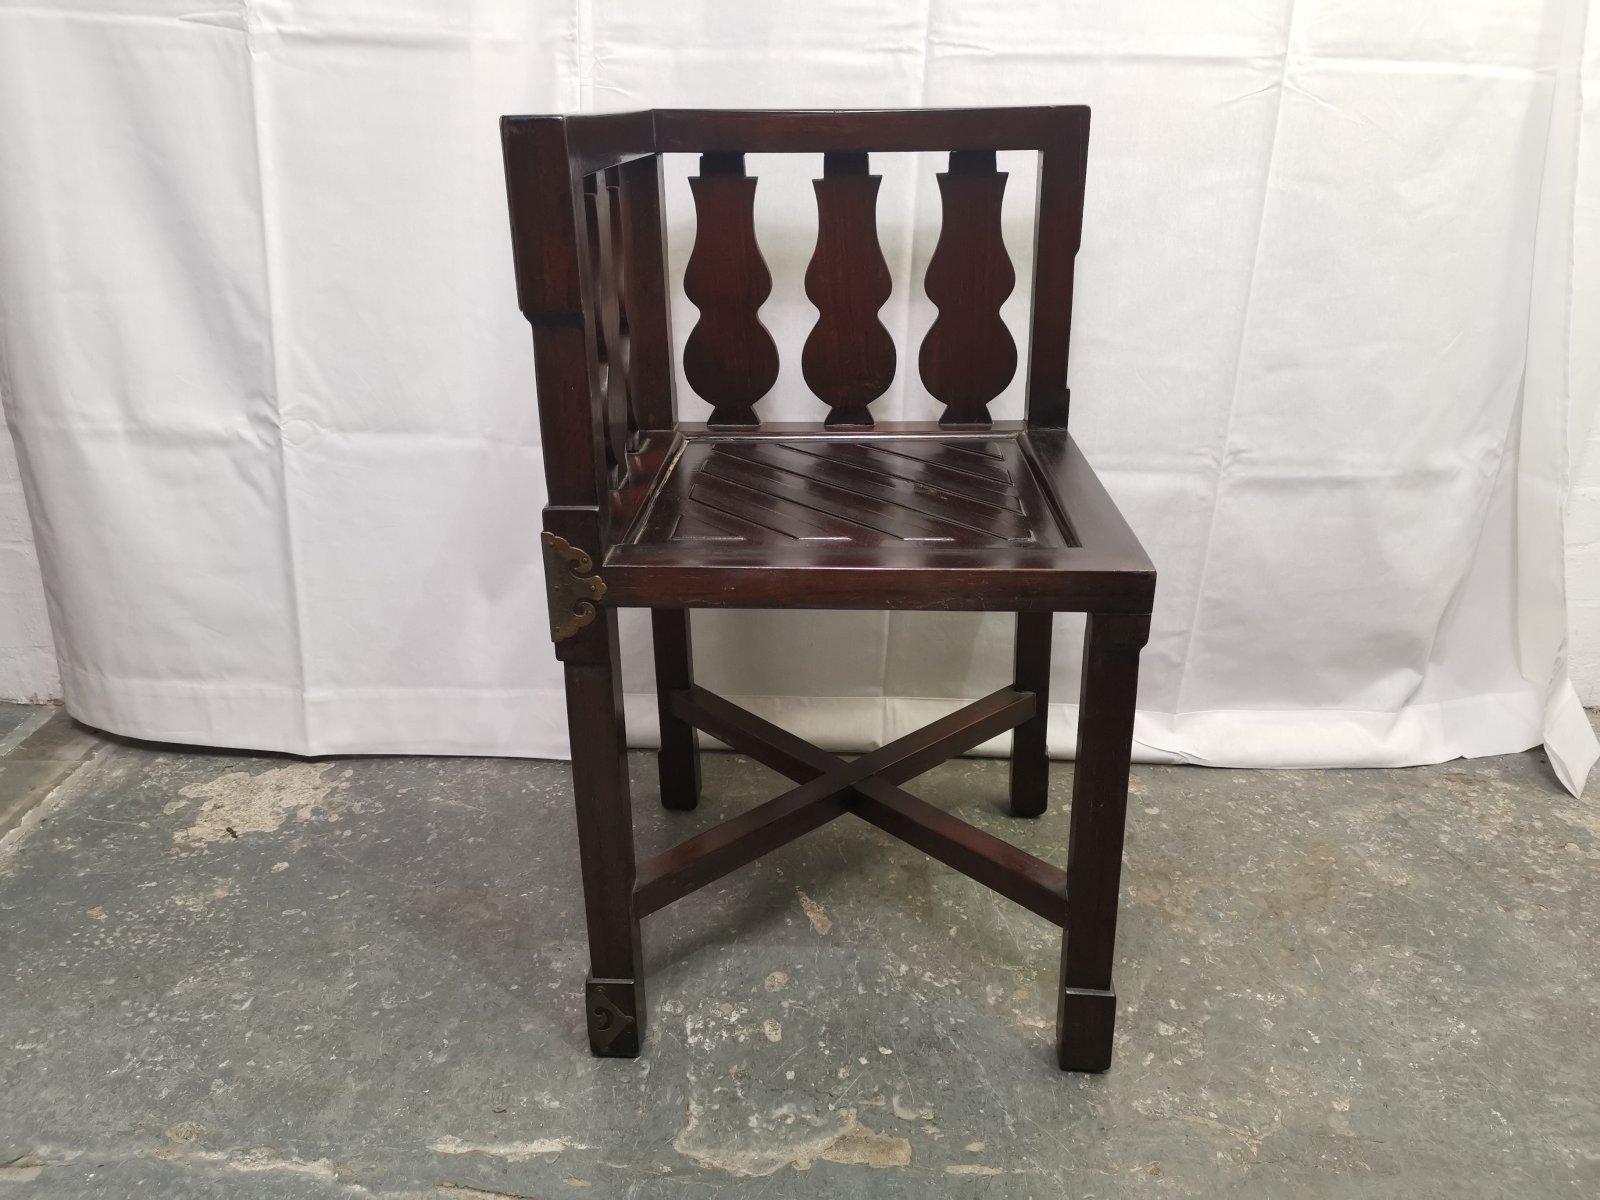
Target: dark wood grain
(1058,231)
(968,355)
(965,513)
(920,465)
(1015,874)
(698,131)
(1036,885)
(849,358)
(1080,501)
(928,430)
(747,514)
(967,463)
(893,522)
(1030,755)
(656,451)
(678,760)
(902,759)
(1106,704)
(611,345)
(597,141)
(730,359)
(593,234)
(802,536)
(991,520)
(546,204)
(605,835)
(665,877)
(645,295)
(709,856)
(871,491)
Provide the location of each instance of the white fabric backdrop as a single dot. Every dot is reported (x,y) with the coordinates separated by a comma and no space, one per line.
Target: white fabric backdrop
(273,399)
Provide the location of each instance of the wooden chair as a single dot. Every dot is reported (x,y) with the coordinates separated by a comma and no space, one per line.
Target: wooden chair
(968,513)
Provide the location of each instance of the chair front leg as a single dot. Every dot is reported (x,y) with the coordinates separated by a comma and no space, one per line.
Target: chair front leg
(614,1000)
(1087,1010)
(1030,757)
(679,759)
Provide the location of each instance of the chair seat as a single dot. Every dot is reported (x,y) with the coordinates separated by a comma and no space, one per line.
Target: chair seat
(909,516)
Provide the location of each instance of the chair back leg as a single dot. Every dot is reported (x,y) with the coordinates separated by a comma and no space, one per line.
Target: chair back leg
(1086,1013)
(614,1000)
(679,759)
(1030,757)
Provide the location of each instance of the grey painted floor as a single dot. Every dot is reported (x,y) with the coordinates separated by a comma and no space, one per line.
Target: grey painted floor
(227,975)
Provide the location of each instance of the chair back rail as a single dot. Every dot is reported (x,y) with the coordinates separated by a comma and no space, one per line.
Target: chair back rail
(588,228)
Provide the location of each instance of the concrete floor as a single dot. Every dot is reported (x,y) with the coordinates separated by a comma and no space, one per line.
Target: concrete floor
(242,976)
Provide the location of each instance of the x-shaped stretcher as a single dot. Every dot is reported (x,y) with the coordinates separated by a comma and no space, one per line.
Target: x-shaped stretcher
(829,786)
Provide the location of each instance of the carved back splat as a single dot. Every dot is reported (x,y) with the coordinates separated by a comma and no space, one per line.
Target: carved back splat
(730,358)
(969,356)
(849,357)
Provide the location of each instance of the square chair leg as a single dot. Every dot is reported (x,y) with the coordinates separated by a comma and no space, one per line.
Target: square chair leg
(1030,757)
(679,758)
(614,1003)
(1086,1013)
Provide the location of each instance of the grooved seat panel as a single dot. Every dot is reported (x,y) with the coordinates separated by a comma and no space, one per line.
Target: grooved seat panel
(859,492)
(867,510)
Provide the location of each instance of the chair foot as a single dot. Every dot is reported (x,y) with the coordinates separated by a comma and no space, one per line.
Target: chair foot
(679,772)
(1085,1020)
(1029,803)
(613,1013)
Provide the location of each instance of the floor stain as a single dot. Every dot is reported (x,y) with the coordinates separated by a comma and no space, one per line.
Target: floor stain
(816,914)
(251,1161)
(843,1140)
(1370,981)
(239,802)
(512,1152)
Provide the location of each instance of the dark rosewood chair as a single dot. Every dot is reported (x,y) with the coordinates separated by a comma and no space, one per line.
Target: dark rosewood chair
(647,511)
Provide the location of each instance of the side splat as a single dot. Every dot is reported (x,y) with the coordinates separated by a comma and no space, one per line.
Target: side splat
(612,340)
(730,359)
(849,357)
(644,296)
(969,356)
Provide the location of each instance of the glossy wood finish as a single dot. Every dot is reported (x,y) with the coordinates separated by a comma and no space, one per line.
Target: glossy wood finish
(1058,230)
(960,512)
(708,856)
(1070,551)
(612,345)
(605,845)
(730,359)
(555,293)
(1106,703)
(647,306)
(823,131)
(849,358)
(789,494)
(968,356)
(1014,874)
